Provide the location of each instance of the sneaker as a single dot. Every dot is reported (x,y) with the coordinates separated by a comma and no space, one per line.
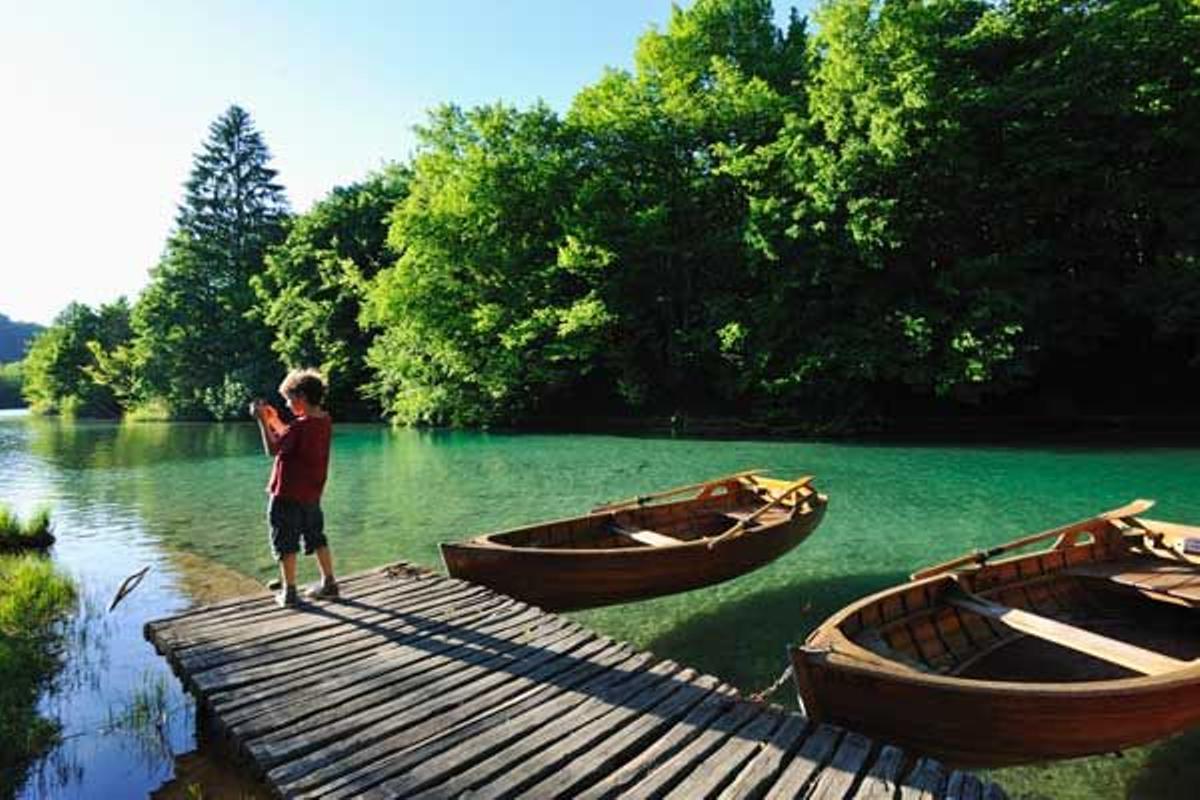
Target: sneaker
(274,585)
(322,591)
(287,598)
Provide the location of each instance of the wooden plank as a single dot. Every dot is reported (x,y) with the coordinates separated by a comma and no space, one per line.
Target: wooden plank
(964,786)
(678,737)
(419,701)
(392,672)
(652,538)
(307,621)
(328,647)
(1130,656)
(366,738)
(927,781)
(190,633)
(330,680)
(1175,579)
(812,757)
(226,609)
(883,780)
(837,780)
(450,750)
(621,738)
(403,738)
(992,791)
(762,770)
(694,754)
(723,765)
(533,758)
(323,646)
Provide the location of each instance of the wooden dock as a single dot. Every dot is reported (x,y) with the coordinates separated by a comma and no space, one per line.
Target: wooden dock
(416,685)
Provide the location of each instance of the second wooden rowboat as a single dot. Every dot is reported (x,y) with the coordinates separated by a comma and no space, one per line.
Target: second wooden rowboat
(1090,646)
(632,551)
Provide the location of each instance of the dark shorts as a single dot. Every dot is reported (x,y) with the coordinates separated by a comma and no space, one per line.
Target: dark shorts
(292,523)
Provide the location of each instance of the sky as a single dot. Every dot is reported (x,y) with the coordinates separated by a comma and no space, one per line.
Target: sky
(104,105)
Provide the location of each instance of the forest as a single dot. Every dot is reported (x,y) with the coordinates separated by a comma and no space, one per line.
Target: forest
(891,210)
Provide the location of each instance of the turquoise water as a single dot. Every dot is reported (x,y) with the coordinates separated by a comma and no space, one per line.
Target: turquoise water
(131,494)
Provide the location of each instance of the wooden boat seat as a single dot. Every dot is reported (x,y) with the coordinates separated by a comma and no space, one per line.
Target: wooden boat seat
(742,516)
(1173,580)
(1129,656)
(652,538)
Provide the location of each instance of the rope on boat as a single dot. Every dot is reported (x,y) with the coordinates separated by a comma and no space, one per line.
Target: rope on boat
(762,696)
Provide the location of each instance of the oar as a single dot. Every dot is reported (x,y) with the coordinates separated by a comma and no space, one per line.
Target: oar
(740,526)
(980,556)
(641,500)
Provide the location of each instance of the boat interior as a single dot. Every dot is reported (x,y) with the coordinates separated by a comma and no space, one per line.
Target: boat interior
(1079,613)
(659,525)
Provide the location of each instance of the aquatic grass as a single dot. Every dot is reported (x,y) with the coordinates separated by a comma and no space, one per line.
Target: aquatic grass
(34,596)
(31,532)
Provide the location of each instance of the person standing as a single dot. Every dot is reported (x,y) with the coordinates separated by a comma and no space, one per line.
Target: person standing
(301,452)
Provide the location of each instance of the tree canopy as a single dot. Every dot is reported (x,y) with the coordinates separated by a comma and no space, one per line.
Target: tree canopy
(905,209)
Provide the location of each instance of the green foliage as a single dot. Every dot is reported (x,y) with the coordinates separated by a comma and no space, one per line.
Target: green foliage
(315,282)
(11,381)
(56,372)
(491,308)
(33,597)
(198,346)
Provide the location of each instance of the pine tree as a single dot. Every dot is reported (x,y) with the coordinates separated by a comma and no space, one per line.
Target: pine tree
(199,347)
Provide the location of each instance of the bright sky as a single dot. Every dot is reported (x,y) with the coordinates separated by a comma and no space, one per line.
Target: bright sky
(105,103)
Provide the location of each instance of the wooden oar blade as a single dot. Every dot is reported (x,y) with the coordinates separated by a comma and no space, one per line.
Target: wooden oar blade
(978,557)
(641,500)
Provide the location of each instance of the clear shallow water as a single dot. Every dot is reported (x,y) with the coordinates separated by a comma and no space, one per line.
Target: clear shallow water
(127,495)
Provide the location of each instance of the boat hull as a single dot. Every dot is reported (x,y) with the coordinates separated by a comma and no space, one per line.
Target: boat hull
(569,579)
(992,724)
(1091,646)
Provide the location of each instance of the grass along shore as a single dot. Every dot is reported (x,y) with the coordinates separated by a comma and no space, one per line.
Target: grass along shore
(29,534)
(34,597)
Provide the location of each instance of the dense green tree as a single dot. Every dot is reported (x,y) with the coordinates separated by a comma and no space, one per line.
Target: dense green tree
(491,308)
(55,371)
(315,282)
(11,380)
(976,190)
(199,347)
(660,199)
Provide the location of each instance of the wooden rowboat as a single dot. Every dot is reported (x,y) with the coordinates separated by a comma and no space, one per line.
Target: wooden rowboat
(636,549)
(1090,646)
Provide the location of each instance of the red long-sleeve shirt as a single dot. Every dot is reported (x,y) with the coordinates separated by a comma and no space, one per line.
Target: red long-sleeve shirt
(302,460)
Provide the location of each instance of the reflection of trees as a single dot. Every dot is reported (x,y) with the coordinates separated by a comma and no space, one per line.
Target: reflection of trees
(98,445)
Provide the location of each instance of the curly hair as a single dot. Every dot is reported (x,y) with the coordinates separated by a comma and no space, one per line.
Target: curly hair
(307,383)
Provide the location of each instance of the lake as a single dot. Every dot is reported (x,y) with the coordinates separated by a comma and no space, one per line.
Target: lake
(188,500)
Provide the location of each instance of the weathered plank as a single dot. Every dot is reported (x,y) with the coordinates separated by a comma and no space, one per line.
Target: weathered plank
(927,781)
(883,780)
(676,768)
(722,766)
(351,677)
(389,733)
(450,751)
(761,772)
(418,686)
(840,776)
(595,762)
(680,735)
(964,786)
(808,763)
